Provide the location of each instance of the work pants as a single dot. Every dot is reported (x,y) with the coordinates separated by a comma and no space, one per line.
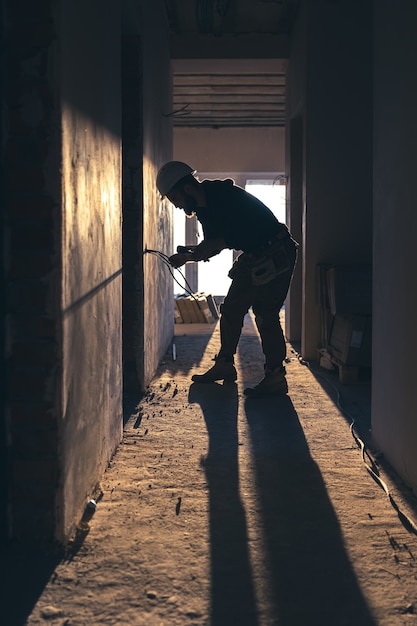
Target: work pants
(266,302)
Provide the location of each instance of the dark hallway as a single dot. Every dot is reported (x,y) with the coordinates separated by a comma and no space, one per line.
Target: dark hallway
(211,510)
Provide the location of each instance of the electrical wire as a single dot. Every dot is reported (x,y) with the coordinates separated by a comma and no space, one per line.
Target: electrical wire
(368,461)
(165,259)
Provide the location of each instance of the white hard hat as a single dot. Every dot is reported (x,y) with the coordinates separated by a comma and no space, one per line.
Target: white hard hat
(170,174)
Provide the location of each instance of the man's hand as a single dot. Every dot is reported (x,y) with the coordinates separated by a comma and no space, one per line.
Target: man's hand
(208,248)
(203,252)
(177,260)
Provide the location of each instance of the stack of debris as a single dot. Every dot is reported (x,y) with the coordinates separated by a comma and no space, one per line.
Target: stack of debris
(198,308)
(345,298)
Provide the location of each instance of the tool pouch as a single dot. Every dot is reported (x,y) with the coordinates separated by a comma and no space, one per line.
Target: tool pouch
(270,266)
(263,268)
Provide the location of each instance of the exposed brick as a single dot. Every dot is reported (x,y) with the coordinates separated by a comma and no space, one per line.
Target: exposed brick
(26,151)
(40,472)
(32,443)
(28,382)
(37,528)
(26,206)
(32,236)
(25,179)
(25,326)
(34,353)
(38,494)
(23,88)
(31,266)
(24,414)
(15,121)
(39,525)
(28,296)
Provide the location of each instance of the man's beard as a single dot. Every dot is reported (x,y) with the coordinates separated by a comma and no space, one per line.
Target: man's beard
(190,205)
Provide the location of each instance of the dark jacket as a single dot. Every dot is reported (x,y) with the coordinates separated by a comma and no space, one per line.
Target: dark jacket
(243,221)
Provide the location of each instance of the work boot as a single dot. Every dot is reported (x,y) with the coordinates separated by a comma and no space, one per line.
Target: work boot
(274,382)
(223,369)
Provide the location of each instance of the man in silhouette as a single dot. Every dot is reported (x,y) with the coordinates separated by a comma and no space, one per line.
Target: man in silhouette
(261,275)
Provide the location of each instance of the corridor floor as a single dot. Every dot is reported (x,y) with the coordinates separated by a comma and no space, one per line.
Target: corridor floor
(222,511)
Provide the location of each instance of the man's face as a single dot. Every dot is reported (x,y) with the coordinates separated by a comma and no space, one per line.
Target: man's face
(183,200)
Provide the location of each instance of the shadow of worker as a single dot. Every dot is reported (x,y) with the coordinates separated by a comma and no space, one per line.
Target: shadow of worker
(311,580)
(232,592)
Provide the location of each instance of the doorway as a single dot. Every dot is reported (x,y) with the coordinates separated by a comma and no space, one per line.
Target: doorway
(211,277)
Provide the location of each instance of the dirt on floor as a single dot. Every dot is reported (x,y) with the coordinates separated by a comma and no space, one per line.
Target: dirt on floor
(218,510)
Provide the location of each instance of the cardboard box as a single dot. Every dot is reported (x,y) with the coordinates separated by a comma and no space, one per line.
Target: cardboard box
(212,304)
(183,308)
(350,339)
(177,313)
(195,309)
(205,309)
(349,290)
(197,316)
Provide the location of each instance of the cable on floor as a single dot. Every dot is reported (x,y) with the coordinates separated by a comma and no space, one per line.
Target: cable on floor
(368,461)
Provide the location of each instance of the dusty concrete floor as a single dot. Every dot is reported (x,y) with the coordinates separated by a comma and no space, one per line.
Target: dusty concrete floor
(221,511)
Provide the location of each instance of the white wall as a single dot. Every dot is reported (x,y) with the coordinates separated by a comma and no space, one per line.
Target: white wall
(231,149)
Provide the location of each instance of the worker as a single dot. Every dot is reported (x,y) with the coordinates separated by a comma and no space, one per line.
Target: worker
(261,275)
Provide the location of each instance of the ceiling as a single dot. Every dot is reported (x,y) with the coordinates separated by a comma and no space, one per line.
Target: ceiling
(240,92)
(229,61)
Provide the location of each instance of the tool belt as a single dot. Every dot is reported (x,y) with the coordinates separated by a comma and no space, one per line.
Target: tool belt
(269,246)
(266,262)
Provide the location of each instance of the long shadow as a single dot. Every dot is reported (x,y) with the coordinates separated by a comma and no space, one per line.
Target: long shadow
(311,579)
(354,401)
(232,591)
(25,573)
(190,346)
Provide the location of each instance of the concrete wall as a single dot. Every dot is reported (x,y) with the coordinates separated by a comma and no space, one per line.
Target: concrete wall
(90,419)
(147,144)
(157,214)
(337,179)
(295,167)
(67,183)
(394,397)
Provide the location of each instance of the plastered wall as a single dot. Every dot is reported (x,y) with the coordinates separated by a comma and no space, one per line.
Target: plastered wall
(394,396)
(82,146)
(90,418)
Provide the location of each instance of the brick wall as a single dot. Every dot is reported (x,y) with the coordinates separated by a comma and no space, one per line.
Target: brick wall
(31,269)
